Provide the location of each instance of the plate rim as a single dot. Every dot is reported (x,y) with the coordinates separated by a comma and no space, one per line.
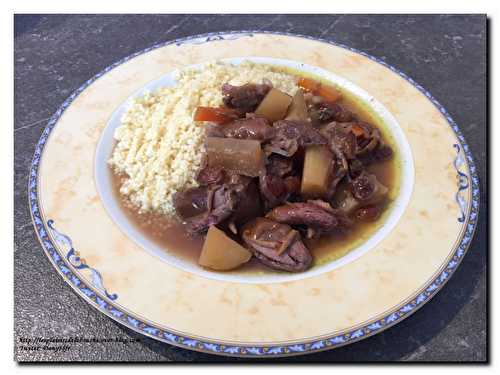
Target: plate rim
(99,300)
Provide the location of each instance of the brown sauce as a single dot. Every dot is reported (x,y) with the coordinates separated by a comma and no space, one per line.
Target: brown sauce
(169,234)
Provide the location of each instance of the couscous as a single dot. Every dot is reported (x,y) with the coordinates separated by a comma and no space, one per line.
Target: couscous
(159,145)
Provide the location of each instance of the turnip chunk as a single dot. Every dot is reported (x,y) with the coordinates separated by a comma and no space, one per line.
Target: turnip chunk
(316,171)
(274,105)
(242,156)
(298,109)
(221,253)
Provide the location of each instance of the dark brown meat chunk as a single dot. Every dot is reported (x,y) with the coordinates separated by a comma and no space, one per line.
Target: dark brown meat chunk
(380,153)
(279,181)
(366,188)
(316,214)
(247,198)
(213,130)
(356,140)
(279,166)
(276,245)
(221,203)
(363,187)
(383,152)
(251,128)
(190,202)
(355,145)
(369,140)
(292,184)
(249,205)
(290,135)
(303,132)
(368,213)
(356,167)
(273,190)
(341,138)
(242,192)
(245,98)
(208,175)
(327,112)
(338,170)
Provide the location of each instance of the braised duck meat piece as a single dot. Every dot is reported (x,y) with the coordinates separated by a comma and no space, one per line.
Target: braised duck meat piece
(244,98)
(279,165)
(367,189)
(208,175)
(278,181)
(221,203)
(368,137)
(290,135)
(256,128)
(248,203)
(247,196)
(356,167)
(303,132)
(368,213)
(316,214)
(341,138)
(243,192)
(276,245)
(380,153)
(292,184)
(327,112)
(273,190)
(383,152)
(191,202)
(369,145)
(344,221)
(236,181)
(338,170)
(356,140)
(214,130)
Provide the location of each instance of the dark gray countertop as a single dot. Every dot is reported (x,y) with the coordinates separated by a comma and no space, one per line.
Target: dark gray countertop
(54,55)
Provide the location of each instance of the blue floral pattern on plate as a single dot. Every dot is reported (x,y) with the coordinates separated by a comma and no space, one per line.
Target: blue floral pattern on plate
(97,295)
(73,258)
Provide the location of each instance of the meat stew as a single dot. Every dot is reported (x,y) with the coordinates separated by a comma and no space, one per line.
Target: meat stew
(303,229)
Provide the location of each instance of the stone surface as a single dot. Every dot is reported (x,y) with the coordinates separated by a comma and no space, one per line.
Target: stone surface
(55,54)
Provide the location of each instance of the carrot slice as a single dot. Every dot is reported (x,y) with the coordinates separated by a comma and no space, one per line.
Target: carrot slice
(216,115)
(308,84)
(329,93)
(357,130)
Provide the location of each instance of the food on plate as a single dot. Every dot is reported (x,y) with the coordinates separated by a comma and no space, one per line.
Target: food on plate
(158,144)
(318,162)
(239,156)
(327,92)
(221,253)
(276,245)
(255,162)
(274,105)
(297,111)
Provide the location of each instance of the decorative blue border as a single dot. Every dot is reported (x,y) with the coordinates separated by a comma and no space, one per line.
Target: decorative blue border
(463,183)
(102,299)
(74,259)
